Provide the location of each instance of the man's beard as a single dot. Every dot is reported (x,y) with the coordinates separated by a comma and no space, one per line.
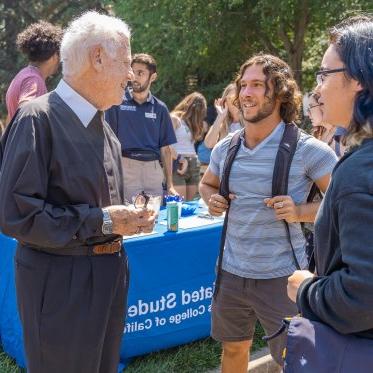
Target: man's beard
(138,88)
(264,111)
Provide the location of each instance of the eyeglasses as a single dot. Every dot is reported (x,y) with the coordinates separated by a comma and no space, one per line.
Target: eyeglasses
(310,107)
(320,75)
(140,201)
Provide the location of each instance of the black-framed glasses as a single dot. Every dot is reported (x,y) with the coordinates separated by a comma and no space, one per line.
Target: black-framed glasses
(320,75)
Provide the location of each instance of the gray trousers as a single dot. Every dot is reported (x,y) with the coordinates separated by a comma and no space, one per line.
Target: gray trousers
(72,310)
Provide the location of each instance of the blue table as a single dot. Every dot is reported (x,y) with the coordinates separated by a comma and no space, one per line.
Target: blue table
(169,296)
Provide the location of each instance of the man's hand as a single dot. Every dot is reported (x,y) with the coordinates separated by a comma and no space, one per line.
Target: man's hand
(128,220)
(294,282)
(218,204)
(285,208)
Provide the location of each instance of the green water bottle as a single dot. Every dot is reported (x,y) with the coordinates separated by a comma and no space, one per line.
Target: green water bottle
(172,216)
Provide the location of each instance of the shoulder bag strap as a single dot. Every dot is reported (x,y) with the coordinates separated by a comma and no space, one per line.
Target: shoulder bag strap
(281,171)
(234,145)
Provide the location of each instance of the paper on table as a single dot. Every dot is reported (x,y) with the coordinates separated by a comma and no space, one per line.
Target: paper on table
(195,221)
(139,235)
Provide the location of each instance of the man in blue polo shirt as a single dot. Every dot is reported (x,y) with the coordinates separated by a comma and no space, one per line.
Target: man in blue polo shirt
(143,126)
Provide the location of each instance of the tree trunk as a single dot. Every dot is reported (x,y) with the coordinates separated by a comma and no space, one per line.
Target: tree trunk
(295,47)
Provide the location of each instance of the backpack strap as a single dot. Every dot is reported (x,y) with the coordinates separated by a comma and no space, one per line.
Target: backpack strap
(281,170)
(313,193)
(234,145)
(285,154)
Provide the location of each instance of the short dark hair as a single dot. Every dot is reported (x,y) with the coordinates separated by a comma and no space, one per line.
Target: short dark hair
(147,60)
(40,41)
(353,41)
(285,87)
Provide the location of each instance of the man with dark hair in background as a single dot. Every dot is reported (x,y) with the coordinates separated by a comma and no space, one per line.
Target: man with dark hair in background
(257,257)
(40,42)
(143,126)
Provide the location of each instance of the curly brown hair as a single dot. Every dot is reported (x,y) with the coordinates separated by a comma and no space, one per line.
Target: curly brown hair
(40,41)
(285,87)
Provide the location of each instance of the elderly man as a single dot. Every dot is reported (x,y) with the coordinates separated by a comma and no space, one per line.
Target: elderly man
(62,198)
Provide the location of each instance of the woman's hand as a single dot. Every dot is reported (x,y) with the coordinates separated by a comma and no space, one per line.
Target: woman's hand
(294,282)
(221,109)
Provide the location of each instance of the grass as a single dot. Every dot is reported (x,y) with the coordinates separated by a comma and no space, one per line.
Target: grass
(7,365)
(197,357)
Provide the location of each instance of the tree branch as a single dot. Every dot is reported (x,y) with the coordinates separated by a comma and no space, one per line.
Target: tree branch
(285,38)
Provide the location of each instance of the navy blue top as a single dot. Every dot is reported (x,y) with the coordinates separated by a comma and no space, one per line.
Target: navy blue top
(145,126)
(341,294)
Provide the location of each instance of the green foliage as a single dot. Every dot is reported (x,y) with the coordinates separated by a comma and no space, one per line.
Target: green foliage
(189,39)
(198,44)
(208,40)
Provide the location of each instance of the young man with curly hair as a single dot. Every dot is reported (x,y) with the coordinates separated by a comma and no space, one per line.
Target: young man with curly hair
(257,257)
(40,42)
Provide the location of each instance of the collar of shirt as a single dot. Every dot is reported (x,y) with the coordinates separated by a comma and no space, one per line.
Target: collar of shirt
(340,131)
(36,70)
(84,110)
(278,128)
(128,96)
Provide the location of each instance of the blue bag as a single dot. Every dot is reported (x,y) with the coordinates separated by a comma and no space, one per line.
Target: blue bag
(203,153)
(313,347)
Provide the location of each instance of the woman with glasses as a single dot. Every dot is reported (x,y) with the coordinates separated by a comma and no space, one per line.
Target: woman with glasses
(321,130)
(324,131)
(341,294)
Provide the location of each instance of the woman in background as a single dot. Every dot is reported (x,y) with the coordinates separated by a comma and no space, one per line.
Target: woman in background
(324,131)
(188,121)
(228,118)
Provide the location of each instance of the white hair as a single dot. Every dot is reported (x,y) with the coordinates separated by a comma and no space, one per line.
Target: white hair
(86,31)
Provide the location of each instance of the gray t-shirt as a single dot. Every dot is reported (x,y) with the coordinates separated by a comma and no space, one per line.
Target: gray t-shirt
(256,244)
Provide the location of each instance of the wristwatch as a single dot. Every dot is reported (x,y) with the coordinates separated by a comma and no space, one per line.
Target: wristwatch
(107,223)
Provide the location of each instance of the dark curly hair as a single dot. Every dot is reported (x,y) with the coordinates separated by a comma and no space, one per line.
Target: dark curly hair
(285,87)
(40,41)
(353,41)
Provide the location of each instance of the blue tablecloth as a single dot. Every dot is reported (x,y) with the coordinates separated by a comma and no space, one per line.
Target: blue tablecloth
(171,277)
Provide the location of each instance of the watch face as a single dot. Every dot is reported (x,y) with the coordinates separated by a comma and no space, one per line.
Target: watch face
(107,228)
(107,225)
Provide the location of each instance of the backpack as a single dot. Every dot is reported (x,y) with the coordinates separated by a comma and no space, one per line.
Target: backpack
(284,157)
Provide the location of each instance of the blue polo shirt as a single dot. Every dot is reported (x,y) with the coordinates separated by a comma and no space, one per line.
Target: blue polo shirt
(145,126)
